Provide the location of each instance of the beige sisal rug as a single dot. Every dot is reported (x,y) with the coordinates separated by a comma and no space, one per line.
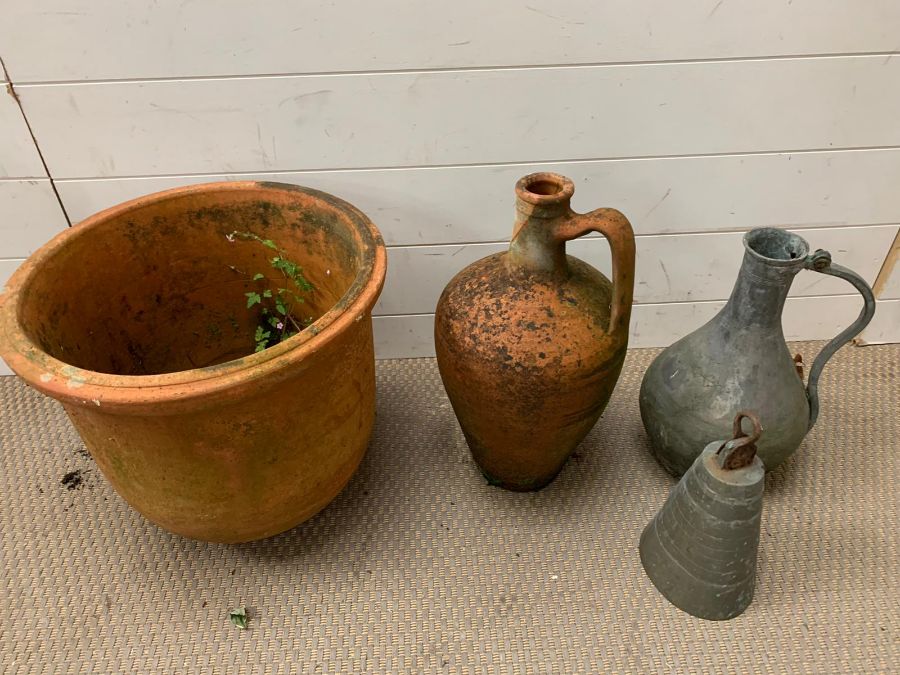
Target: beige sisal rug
(420,566)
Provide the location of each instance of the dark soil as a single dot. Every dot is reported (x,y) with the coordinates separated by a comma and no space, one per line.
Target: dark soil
(72,480)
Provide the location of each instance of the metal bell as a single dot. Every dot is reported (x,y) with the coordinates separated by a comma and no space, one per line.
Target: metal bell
(700,549)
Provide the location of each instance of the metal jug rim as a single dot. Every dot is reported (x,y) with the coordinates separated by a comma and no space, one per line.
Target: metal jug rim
(777,247)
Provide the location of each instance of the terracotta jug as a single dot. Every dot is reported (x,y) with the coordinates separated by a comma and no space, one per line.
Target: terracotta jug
(530,341)
(739,360)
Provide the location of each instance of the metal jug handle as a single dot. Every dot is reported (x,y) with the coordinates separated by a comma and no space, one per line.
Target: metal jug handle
(613,225)
(820,261)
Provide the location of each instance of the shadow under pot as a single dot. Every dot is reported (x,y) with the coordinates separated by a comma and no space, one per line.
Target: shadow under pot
(136,320)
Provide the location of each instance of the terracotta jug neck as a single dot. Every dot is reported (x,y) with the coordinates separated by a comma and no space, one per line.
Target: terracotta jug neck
(542,201)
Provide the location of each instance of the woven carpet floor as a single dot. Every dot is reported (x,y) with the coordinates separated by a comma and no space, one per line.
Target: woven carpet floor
(420,566)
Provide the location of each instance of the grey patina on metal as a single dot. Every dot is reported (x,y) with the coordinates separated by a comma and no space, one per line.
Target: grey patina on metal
(700,549)
(739,360)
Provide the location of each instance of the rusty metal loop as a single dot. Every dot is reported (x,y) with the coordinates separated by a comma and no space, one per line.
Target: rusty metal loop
(740,450)
(737,430)
(798,365)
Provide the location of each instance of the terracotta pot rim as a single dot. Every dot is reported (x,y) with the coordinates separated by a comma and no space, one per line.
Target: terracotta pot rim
(81,386)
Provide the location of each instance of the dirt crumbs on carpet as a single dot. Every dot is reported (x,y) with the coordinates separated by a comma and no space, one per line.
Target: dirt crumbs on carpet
(73,480)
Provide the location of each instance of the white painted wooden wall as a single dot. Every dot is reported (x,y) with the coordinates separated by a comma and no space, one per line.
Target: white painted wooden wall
(698,119)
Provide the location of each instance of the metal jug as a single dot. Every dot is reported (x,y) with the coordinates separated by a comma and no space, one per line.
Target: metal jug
(739,360)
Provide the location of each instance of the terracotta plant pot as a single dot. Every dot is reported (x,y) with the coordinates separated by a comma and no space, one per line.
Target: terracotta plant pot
(135,320)
(530,342)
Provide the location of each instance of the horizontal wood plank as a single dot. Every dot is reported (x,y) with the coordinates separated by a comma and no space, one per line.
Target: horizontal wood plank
(670,268)
(7,267)
(31,216)
(815,318)
(451,118)
(885,326)
(18,156)
(693,194)
(111,39)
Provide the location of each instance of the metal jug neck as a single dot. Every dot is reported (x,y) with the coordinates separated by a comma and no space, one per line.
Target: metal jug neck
(772,258)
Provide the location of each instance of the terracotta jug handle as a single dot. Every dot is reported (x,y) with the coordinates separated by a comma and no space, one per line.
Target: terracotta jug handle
(820,261)
(613,225)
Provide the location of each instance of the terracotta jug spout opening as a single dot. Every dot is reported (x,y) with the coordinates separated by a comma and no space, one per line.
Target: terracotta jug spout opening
(776,246)
(545,189)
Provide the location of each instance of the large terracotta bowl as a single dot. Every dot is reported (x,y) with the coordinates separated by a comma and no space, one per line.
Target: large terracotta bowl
(136,321)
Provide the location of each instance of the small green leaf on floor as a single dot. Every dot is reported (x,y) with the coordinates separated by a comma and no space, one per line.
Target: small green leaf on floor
(239,617)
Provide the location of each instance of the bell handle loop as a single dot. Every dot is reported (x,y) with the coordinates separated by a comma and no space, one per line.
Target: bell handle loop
(737,429)
(820,261)
(740,450)
(613,225)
